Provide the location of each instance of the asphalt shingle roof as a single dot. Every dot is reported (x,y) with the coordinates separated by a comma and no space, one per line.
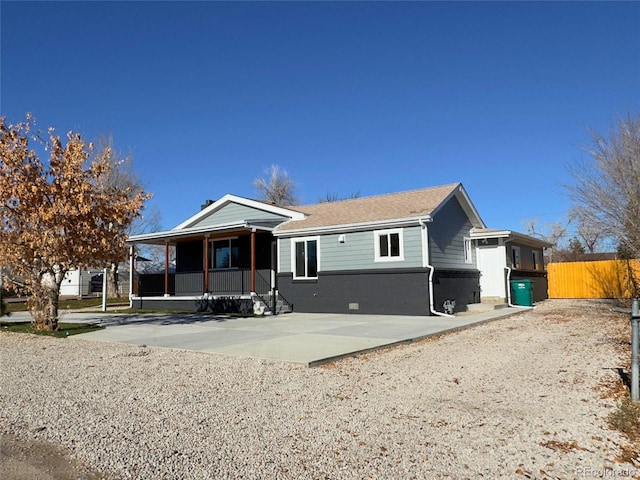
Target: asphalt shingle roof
(410,204)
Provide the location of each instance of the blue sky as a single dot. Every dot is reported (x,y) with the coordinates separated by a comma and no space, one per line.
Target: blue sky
(368,97)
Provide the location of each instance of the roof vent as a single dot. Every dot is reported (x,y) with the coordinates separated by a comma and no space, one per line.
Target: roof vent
(206,204)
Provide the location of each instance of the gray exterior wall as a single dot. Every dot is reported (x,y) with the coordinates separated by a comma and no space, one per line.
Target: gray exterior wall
(446,237)
(526,256)
(383,292)
(357,252)
(351,281)
(221,304)
(463,286)
(233,212)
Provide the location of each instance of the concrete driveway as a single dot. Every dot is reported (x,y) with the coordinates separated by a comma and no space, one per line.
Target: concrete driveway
(305,338)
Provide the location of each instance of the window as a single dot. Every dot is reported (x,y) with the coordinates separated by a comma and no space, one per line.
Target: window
(224,253)
(515,257)
(388,245)
(468,257)
(305,257)
(537,265)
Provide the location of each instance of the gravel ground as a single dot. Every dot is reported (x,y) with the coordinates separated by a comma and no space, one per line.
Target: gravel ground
(520,397)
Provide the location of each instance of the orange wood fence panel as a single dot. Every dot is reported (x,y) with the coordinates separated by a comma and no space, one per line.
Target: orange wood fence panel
(601,279)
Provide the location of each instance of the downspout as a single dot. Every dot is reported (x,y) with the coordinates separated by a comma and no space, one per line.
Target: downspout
(132,266)
(508,269)
(425,261)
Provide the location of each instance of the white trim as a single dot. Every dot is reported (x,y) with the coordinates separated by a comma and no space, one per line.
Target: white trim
(510,235)
(348,227)
(465,203)
(278,256)
(293,257)
(228,198)
(468,250)
(376,245)
(168,235)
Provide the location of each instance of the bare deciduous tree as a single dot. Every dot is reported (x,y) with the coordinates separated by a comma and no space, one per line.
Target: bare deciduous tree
(277,187)
(122,177)
(59,214)
(334,197)
(588,231)
(607,183)
(552,233)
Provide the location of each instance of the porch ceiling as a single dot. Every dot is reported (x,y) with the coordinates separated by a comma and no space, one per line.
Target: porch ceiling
(170,236)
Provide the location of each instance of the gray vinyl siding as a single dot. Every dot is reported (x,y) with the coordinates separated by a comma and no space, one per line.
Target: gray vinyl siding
(284,255)
(233,213)
(447,232)
(357,252)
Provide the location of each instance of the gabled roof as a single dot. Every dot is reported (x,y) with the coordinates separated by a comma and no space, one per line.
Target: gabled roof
(380,211)
(392,208)
(228,198)
(191,227)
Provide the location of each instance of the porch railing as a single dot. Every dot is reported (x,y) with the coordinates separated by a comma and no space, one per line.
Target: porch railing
(221,282)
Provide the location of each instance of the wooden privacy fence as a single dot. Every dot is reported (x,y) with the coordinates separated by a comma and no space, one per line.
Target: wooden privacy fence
(600,279)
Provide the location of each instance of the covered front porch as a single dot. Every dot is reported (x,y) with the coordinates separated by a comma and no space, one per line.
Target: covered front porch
(223,269)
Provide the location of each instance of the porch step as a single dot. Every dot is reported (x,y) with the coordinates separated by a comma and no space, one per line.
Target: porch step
(282,307)
(484,307)
(493,300)
(262,308)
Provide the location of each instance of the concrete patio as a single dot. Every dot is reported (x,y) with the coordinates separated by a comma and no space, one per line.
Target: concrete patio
(304,338)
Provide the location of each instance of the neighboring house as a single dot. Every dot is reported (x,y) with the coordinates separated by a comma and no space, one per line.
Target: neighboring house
(407,253)
(84,282)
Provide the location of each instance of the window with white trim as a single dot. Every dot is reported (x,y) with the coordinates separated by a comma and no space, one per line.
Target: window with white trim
(305,257)
(515,257)
(389,245)
(468,256)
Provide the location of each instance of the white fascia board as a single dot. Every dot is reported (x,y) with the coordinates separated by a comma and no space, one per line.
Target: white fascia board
(512,236)
(465,202)
(471,207)
(228,198)
(187,232)
(351,227)
(491,234)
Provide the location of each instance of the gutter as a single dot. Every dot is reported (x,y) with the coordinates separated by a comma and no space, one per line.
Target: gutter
(281,231)
(425,260)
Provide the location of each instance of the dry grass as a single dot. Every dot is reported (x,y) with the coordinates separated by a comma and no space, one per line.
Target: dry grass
(626,417)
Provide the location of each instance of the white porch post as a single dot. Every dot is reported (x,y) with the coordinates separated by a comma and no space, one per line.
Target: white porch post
(253,260)
(132,266)
(166,268)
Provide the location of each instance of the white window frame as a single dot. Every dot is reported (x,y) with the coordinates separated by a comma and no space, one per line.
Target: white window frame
(296,240)
(468,252)
(516,259)
(376,245)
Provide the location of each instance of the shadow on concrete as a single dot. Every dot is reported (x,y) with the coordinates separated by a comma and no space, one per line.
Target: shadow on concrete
(168,319)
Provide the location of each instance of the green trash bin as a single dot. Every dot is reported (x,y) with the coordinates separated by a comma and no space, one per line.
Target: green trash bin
(522,292)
